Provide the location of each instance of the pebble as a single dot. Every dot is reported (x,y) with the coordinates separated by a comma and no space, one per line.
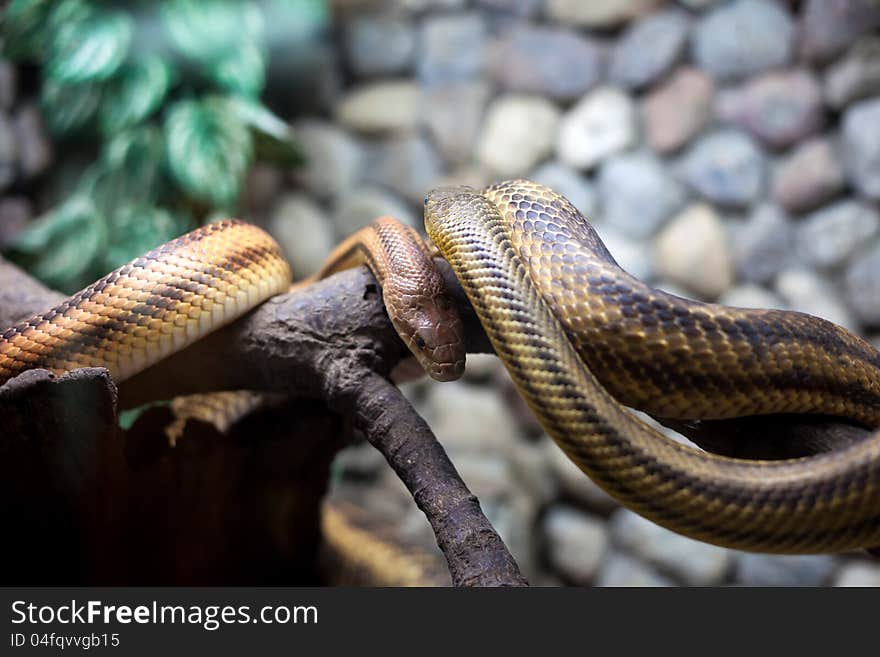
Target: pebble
(262,186)
(762,246)
(333,158)
(451,48)
(406,164)
(638,193)
(16,213)
(779,108)
(602,123)
(570,183)
(832,235)
(34,145)
(379,44)
(303,231)
(360,206)
(548,61)
(453,115)
(860,146)
(808,176)
(695,562)
(726,167)
(804,290)
(649,48)
(828,28)
(619,570)
(475,408)
(677,110)
(858,573)
(577,486)
(576,543)
(380,107)
(519,8)
(862,284)
(783,570)
(742,38)
(8,152)
(751,296)
(692,251)
(519,131)
(598,13)
(8,83)
(856,76)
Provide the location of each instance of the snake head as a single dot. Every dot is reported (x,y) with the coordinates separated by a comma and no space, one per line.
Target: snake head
(433,333)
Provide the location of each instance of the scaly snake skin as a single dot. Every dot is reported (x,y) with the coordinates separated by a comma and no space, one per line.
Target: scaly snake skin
(579,336)
(557,309)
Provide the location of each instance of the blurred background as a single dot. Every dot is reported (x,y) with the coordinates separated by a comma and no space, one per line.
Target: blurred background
(726,150)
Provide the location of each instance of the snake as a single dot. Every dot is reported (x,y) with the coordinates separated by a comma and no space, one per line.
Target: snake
(581,338)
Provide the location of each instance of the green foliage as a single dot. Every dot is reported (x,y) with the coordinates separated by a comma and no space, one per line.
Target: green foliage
(169,92)
(208,149)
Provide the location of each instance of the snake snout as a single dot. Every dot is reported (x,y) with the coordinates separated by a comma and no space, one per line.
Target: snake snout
(433,333)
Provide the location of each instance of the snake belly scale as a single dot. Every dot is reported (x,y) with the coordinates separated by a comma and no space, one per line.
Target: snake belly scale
(545,289)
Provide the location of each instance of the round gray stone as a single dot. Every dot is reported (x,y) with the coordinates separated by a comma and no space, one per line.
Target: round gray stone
(303,231)
(381,107)
(693,251)
(406,164)
(649,48)
(779,108)
(379,44)
(862,284)
(361,205)
(548,61)
(677,109)
(695,562)
(830,236)
(861,146)
(451,48)
(828,27)
(602,123)
(858,573)
(742,38)
(808,176)
(519,131)
(453,114)
(751,296)
(333,158)
(598,13)
(576,543)
(783,570)
(618,570)
(726,167)
(762,245)
(856,76)
(638,193)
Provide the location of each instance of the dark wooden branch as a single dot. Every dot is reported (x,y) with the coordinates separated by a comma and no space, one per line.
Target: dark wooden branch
(474,552)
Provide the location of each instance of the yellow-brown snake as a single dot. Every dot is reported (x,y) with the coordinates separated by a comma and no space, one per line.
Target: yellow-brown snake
(579,336)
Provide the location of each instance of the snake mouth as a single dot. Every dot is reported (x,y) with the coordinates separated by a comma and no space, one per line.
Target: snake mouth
(444,372)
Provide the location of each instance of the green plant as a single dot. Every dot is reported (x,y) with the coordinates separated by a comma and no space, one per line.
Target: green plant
(168,92)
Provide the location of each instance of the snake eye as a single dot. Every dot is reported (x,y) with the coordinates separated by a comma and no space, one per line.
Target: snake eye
(420,342)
